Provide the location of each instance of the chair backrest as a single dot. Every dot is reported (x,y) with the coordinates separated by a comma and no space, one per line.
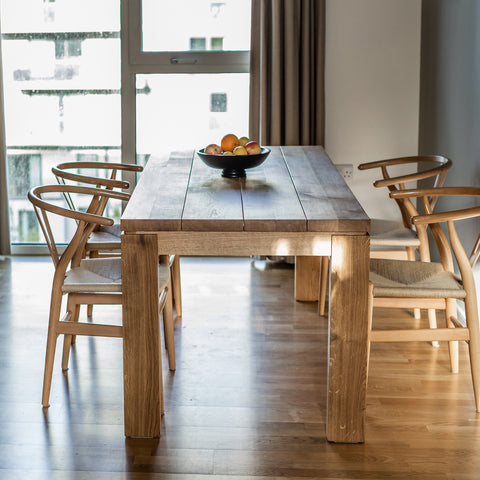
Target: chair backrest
(86,221)
(70,171)
(451,243)
(434,167)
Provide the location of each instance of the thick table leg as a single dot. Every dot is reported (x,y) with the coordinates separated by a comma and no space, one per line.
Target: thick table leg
(307,278)
(348,333)
(142,364)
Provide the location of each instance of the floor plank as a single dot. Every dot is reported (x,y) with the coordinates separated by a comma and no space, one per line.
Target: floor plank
(247,400)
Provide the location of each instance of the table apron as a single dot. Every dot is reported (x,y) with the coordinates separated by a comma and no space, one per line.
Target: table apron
(244,243)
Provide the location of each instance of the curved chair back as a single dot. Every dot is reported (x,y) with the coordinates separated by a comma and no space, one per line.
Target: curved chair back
(70,171)
(86,221)
(434,167)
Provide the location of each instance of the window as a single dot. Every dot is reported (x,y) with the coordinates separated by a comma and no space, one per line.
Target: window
(218,102)
(196,114)
(197,74)
(68,48)
(216,43)
(28,228)
(228,20)
(198,44)
(61,65)
(24,171)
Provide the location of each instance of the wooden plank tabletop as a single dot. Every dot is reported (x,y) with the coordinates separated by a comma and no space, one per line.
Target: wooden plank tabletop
(212,202)
(328,203)
(158,200)
(270,201)
(296,189)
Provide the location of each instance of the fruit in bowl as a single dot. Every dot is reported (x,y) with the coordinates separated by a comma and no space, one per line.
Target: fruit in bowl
(243,141)
(240,150)
(229,142)
(213,149)
(234,155)
(253,148)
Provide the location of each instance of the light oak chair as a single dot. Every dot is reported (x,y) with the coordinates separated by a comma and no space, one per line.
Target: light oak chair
(86,280)
(432,285)
(398,239)
(104,241)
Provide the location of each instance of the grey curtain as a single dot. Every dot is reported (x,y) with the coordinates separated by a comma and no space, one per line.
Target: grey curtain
(4,228)
(287,72)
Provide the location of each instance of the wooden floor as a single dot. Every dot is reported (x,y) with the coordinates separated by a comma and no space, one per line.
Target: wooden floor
(247,400)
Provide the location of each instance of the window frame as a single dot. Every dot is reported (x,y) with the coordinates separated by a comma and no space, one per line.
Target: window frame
(212,61)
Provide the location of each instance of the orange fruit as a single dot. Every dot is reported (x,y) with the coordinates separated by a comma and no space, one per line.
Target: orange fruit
(229,142)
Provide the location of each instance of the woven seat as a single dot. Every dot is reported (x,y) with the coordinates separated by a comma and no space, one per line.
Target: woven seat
(409,284)
(389,233)
(403,278)
(103,275)
(86,281)
(100,240)
(114,231)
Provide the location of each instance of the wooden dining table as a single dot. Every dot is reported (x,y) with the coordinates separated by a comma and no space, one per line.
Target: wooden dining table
(294,204)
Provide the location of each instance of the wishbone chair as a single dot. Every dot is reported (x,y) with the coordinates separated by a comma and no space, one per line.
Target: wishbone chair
(434,285)
(86,280)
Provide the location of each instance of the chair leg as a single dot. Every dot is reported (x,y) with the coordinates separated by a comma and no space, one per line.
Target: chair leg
(177,288)
(432,321)
(76,313)
(69,340)
(322,297)
(370,322)
(411,256)
(451,311)
(67,344)
(168,328)
(55,307)
(474,351)
(92,254)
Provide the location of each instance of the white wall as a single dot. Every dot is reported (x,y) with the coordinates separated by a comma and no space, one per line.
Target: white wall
(372,89)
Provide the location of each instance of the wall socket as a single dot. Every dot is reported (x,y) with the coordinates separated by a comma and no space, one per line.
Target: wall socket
(345,170)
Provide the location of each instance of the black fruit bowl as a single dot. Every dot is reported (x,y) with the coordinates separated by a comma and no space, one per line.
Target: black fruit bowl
(233,166)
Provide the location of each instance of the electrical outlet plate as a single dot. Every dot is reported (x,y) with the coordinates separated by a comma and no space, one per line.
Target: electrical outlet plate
(345,170)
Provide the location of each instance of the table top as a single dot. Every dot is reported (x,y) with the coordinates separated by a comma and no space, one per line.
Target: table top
(297,189)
